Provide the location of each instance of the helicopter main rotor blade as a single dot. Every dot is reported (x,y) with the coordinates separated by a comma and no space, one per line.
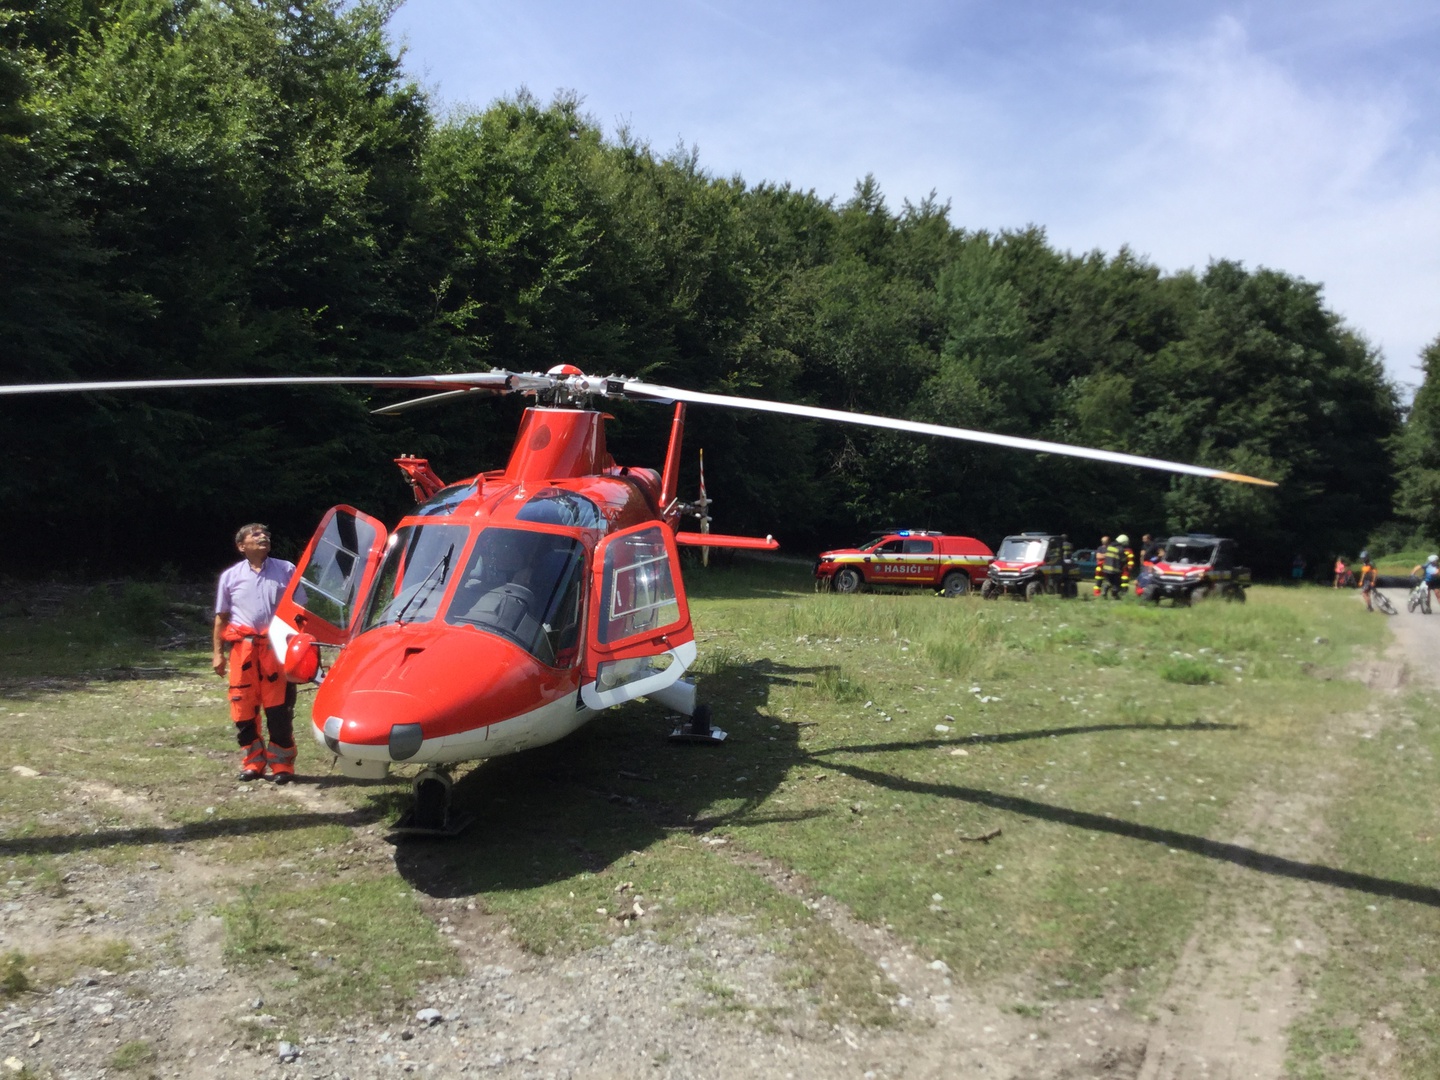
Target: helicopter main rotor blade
(434,399)
(649,392)
(495,381)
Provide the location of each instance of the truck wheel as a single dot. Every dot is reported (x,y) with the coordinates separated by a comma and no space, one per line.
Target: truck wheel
(956,583)
(990,590)
(1183,599)
(1239,594)
(1034,589)
(848,580)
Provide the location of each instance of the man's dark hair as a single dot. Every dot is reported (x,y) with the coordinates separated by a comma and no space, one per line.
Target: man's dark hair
(246,530)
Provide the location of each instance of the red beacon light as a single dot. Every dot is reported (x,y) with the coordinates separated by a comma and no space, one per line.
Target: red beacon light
(302,658)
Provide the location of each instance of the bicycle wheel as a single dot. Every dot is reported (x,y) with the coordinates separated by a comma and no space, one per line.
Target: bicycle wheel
(1413,602)
(1383,603)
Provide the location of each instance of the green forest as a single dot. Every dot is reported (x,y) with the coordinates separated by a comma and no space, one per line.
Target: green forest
(208,188)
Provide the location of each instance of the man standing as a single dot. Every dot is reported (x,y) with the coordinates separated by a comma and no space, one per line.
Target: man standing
(245,603)
(1100,550)
(1151,549)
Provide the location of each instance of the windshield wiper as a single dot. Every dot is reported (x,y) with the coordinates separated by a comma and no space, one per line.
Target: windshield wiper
(444,567)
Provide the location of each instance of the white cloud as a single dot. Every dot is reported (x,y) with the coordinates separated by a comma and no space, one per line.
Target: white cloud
(1236,158)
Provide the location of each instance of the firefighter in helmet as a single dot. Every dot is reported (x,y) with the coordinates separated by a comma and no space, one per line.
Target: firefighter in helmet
(1113,564)
(1127,563)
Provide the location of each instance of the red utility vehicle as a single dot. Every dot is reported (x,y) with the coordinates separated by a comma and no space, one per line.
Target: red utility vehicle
(1030,564)
(909,557)
(1194,566)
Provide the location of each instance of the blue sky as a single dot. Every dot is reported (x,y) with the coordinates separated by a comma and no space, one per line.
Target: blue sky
(1297,135)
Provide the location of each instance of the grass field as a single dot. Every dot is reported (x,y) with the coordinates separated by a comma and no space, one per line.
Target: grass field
(1045,796)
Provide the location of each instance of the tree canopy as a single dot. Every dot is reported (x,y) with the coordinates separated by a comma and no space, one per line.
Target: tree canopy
(224,187)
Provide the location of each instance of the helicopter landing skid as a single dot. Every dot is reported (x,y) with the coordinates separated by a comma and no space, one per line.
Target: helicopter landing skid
(430,814)
(698,729)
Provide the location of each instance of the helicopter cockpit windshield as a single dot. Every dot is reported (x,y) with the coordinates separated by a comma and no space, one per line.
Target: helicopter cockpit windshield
(524,585)
(418,563)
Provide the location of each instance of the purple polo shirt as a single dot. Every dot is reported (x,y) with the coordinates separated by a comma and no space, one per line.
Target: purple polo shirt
(250,598)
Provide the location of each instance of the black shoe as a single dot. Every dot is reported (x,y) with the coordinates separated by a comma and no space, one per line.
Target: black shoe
(246,775)
(283,777)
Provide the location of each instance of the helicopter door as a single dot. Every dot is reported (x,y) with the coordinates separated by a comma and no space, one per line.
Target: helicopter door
(639,634)
(323,598)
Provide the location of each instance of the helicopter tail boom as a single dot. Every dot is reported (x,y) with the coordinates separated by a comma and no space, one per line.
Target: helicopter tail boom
(756,543)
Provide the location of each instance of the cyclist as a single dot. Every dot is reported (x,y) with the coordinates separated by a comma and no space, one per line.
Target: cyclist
(1368,579)
(1431,569)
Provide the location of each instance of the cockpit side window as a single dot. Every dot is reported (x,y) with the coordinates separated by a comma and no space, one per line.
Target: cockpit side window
(524,586)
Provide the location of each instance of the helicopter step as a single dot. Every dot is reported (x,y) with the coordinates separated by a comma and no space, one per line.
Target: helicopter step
(430,814)
(680,696)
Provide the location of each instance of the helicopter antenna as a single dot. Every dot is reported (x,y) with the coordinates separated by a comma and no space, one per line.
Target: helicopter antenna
(703,513)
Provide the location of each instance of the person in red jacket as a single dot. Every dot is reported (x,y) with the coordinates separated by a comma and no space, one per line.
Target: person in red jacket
(245,602)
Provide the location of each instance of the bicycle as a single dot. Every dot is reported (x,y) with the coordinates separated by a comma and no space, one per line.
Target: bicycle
(1382,602)
(1419,598)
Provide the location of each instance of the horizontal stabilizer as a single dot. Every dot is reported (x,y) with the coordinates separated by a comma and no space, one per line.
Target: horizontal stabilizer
(758,543)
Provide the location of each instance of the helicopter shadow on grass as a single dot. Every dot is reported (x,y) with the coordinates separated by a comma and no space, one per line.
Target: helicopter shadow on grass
(1238,854)
(613,788)
(616,787)
(36,688)
(146,835)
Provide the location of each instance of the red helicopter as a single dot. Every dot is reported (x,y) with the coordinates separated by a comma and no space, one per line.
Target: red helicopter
(511,607)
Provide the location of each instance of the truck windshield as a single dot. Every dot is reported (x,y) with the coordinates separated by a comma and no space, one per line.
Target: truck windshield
(525,586)
(1021,549)
(1189,554)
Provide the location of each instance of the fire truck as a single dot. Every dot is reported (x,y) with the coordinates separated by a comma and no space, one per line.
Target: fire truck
(1029,564)
(907,557)
(1197,565)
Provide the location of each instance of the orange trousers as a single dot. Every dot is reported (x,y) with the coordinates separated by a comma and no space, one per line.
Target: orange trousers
(257,681)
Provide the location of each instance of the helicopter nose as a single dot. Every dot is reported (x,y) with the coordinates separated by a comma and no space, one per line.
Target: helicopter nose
(402,693)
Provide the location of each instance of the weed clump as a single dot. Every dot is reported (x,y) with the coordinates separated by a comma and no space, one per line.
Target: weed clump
(13,980)
(1189,672)
(832,683)
(133,1056)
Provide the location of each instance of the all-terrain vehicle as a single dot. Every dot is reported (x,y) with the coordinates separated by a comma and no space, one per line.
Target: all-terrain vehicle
(1030,564)
(908,557)
(1197,565)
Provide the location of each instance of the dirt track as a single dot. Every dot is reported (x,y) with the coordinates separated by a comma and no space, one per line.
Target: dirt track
(638,1006)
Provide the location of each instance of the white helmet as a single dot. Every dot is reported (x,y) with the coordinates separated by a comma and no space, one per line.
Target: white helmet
(1433,559)
(1122,539)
